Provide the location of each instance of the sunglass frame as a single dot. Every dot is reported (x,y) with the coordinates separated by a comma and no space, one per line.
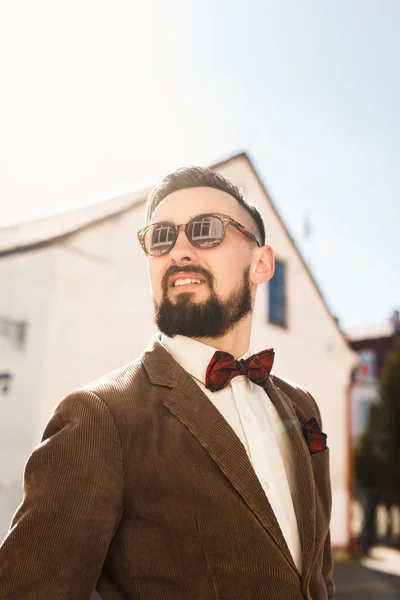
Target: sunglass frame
(225,219)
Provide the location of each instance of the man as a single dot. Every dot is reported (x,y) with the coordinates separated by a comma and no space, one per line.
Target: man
(191,473)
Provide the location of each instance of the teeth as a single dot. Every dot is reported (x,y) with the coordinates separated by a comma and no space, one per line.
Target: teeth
(179,282)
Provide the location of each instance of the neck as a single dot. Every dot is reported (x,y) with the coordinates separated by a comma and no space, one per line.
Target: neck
(235,342)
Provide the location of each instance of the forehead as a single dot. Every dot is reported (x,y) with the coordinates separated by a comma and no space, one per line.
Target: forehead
(182,205)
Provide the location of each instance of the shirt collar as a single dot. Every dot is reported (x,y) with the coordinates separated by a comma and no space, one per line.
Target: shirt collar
(192,355)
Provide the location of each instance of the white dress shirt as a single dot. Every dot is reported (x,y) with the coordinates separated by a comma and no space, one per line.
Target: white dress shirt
(255,420)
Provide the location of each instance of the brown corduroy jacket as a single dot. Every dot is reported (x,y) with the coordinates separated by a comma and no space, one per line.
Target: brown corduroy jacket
(142,491)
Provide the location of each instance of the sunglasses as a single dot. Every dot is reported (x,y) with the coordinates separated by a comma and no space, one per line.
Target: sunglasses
(203,231)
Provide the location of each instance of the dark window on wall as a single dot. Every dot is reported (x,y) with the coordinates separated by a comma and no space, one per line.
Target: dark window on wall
(368,360)
(277,295)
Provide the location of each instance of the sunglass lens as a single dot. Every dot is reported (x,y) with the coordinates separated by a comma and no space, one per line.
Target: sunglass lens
(159,239)
(206,231)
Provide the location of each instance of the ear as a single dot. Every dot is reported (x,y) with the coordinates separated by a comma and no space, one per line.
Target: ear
(263,267)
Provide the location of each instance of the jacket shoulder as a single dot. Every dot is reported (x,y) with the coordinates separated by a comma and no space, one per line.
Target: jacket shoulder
(302,400)
(118,383)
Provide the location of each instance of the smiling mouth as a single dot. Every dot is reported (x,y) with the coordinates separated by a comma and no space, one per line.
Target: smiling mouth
(183,283)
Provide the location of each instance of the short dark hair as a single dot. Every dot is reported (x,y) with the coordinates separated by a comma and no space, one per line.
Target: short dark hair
(190,177)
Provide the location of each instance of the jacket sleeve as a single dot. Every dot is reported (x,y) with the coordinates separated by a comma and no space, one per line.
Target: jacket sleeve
(73,493)
(327,567)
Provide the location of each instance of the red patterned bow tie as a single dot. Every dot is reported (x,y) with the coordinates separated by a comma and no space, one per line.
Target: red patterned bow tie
(223,367)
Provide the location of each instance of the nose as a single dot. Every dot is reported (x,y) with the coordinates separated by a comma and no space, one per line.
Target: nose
(183,250)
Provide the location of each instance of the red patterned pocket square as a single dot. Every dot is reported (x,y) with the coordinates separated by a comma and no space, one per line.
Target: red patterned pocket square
(315,438)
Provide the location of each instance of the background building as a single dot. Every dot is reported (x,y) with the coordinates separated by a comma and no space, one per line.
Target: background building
(372,347)
(76,304)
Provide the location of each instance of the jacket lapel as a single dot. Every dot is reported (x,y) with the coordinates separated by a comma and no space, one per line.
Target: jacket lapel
(284,406)
(194,410)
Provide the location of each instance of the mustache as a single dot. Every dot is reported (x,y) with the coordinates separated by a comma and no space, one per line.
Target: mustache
(173,269)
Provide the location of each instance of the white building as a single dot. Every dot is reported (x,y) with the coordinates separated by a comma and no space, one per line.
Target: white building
(75,303)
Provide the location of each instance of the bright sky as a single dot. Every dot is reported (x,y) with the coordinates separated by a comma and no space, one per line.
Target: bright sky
(100,98)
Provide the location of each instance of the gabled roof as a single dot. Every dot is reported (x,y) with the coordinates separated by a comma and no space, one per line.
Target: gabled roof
(43,232)
(49,230)
(372,333)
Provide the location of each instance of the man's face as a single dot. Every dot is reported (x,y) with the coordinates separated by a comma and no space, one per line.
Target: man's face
(224,295)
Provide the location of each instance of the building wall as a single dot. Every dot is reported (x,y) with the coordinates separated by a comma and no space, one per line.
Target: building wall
(26,281)
(101,316)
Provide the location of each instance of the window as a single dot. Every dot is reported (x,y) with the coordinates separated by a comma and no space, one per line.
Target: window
(363,414)
(5,379)
(201,229)
(368,360)
(277,296)
(15,331)
(207,231)
(162,236)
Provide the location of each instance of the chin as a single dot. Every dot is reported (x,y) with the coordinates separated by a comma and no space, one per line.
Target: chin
(184,298)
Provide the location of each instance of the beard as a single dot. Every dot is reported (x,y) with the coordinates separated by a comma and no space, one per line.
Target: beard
(212,318)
